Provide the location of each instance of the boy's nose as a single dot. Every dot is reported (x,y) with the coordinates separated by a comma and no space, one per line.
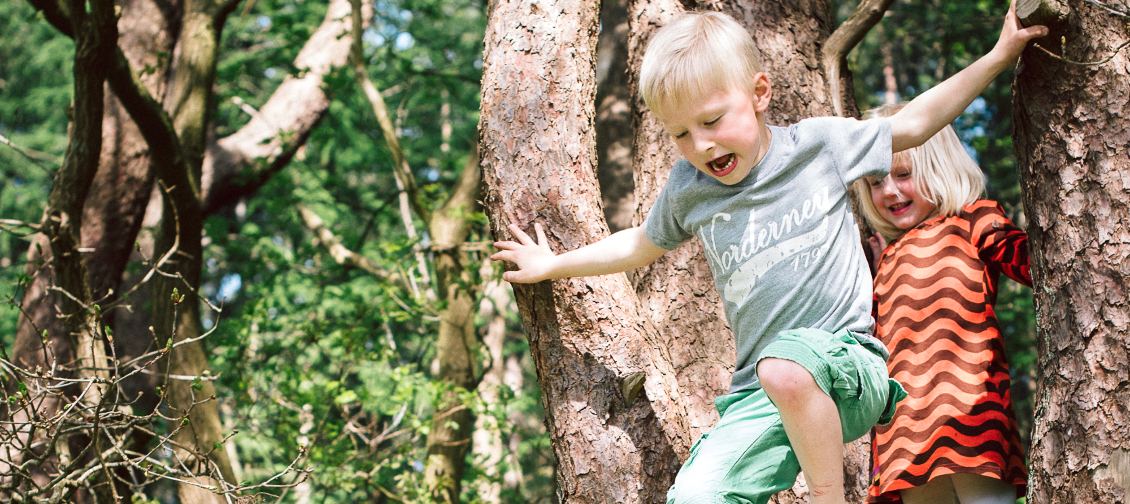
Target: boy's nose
(703,143)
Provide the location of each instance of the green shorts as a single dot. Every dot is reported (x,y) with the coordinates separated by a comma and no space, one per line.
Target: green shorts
(747,457)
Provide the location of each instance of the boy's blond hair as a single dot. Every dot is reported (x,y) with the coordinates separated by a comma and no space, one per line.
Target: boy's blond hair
(942,172)
(693,53)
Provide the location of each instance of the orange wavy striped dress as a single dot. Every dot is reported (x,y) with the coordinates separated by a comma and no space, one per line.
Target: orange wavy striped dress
(935,290)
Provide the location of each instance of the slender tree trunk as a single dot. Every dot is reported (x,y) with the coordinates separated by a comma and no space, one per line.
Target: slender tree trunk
(457,343)
(488,448)
(1073,149)
(614,133)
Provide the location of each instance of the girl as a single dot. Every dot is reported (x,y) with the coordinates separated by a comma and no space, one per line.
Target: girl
(954,439)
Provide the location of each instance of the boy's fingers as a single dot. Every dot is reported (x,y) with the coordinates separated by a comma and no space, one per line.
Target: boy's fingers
(1035,31)
(542,241)
(520,235)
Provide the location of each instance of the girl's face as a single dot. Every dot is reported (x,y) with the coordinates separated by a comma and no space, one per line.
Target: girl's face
(897,199)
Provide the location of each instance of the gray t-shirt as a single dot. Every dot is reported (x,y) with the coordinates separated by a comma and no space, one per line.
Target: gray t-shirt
(783,243)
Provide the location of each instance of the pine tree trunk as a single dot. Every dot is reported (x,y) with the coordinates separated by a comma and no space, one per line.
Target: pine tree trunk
(590,337)
(1073,150)
(611,408)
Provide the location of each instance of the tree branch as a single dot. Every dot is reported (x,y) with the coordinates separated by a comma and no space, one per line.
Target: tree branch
(834,54)
(239,164)
(400,164)
(340,253)
(57,13)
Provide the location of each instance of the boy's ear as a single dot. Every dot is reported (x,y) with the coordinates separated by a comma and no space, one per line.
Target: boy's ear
(762,92)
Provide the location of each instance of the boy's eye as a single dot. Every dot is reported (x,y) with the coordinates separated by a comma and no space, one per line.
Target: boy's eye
(679,136)
(714,121)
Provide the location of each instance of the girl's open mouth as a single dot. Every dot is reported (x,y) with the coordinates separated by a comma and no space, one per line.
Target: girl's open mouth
(899,208)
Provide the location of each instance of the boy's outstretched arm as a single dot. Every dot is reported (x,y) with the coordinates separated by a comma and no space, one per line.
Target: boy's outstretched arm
(625,250)
(931,111)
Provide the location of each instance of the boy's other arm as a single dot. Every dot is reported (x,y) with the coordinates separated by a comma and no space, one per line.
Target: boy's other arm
(625,250)
(931,111)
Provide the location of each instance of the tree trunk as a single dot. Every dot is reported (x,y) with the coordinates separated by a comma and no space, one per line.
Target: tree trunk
(456,344)
(614,117)
(1073,150)
(610,400)
(589,337)
(232,168)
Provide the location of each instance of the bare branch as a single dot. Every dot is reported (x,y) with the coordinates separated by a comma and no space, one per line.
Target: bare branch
(238,165)
(865,16)
(340,253)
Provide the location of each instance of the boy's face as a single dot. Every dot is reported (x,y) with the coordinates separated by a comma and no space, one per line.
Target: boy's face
(722,132)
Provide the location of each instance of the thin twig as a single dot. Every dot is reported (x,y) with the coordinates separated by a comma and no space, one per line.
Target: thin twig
(1084,63)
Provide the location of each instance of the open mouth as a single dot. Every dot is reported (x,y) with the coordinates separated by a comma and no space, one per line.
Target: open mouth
(899,208)
(722,165)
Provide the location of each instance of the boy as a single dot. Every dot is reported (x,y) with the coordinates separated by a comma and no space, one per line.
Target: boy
(771,207)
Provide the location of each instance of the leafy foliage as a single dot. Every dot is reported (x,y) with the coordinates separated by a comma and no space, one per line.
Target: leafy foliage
(322,355)
(36,85)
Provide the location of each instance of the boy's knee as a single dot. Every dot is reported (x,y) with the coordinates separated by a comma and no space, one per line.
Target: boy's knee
(700,495)
(785,380)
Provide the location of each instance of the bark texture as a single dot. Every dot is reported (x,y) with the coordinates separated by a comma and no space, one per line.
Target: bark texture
(612,410)
(1073,149)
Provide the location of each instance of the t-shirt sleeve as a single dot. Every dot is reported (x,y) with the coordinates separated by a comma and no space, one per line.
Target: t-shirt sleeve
(859,148)
(662,224)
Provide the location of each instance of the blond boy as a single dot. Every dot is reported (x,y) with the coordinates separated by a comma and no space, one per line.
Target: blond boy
(770,205)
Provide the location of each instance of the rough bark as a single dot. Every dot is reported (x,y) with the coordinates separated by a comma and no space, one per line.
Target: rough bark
(1071,141)
(615,441)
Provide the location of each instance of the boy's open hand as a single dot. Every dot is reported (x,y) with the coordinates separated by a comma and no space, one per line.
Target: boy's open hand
(532,258)
(1014,36)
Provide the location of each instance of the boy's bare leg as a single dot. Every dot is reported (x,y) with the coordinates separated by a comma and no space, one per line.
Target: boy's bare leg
(812,423)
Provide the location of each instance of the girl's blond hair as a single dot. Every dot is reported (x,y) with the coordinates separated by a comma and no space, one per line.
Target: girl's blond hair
(691,54)
(942,172)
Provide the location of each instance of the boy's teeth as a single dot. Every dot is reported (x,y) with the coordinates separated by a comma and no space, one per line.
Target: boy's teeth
(721,163)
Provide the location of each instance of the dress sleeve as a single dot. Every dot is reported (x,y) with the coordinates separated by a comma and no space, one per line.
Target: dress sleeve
(999,242)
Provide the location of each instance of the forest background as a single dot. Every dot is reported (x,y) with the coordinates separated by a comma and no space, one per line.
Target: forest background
(328,285)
